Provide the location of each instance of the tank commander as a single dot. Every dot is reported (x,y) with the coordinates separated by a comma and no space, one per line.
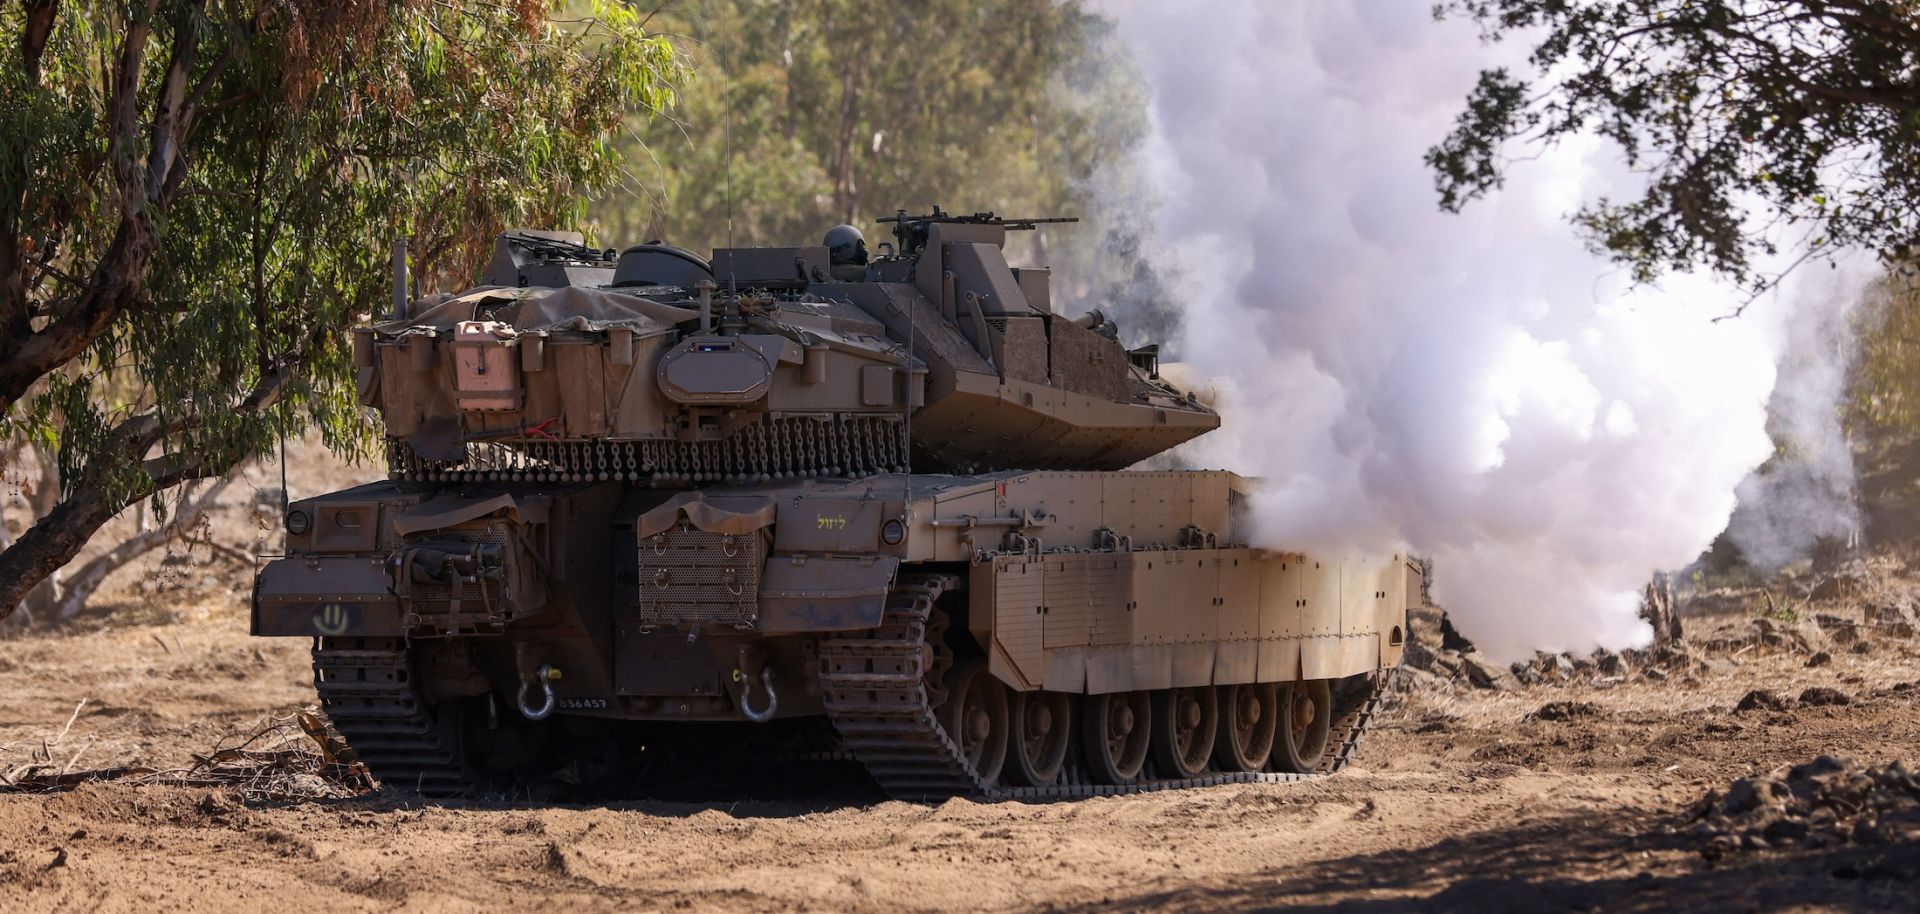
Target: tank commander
(848,249)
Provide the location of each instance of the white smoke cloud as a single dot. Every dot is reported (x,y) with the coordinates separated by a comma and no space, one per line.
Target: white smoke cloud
(1804,494)
(1476,388)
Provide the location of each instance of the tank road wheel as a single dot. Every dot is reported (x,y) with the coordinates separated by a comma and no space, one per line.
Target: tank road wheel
(975,717)
(1306,710)
(1041,726)
(1114,728)
(1247,718)
(1184,723)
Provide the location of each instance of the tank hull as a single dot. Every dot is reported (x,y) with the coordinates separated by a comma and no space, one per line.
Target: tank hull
(742,604)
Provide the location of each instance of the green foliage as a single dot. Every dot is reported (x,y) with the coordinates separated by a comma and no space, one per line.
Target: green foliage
(805,114)
(310,134)
(1806,112)
(1885,385)
(1775,610)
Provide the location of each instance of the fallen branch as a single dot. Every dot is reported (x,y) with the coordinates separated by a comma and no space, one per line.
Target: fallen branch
(70,719)
(310,765)
(76,756)
(28,777)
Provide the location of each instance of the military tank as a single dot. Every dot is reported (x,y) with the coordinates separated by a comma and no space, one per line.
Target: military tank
(882,495)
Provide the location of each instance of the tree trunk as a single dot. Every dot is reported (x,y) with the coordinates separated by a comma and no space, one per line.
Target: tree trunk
(50,543)
(58,535)
(55,538)
(22,616)
(38,497)
(846,193)
(82,585)
(1658,609)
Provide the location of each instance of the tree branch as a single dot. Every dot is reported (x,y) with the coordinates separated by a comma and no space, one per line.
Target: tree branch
(80,588)
(59,535)
(15,322)
(122,267)
(169,117)
(33,38)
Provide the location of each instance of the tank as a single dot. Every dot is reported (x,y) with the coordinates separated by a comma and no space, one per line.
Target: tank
(876,508)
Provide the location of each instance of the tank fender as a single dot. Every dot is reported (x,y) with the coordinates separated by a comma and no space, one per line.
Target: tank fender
(812,593)
(335,596)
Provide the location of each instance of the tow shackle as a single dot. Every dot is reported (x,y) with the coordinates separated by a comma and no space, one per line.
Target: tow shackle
(752,666)
(746,697)
(546,675)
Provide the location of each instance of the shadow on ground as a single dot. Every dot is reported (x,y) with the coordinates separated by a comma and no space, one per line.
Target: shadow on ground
(1584,863)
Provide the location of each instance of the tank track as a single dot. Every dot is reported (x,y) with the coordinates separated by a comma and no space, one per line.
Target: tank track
(874,686)
(366,687)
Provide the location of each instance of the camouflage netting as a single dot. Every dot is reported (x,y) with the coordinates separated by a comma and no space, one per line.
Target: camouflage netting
(567,308)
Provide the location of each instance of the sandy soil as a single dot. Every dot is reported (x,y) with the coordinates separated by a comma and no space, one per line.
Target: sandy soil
(1461,799)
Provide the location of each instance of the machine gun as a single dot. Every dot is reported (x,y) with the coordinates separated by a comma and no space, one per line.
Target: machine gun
(911,231)
(549,249)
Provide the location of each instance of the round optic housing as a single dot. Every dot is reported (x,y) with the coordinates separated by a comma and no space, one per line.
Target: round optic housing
(893,532)
(298,522)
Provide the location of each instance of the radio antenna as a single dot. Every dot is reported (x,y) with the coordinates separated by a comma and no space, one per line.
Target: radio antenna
(906,396)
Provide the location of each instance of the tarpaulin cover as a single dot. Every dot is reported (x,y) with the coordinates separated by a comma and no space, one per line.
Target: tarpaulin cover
(726,514)
(565,308)
(448,511)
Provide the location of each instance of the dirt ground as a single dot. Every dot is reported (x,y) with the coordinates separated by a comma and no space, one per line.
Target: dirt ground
(1462,798)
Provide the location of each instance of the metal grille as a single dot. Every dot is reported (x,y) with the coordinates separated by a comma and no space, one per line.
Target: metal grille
(690,576)
(784,448)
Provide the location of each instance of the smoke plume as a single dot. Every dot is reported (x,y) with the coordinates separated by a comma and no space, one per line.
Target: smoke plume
(1803,495)
(1477,388)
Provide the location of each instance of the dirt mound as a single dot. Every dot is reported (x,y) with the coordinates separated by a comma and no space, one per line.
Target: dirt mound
(1819,696)
(1827,802)
(1763,700)
(1567,710)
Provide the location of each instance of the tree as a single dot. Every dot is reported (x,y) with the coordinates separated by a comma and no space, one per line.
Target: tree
(805,114)
(1742,114)
(196,200)
(1885,388)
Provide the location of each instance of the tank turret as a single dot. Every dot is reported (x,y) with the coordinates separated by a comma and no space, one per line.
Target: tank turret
(659,368)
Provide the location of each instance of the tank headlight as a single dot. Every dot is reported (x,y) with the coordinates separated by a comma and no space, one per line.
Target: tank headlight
(298,522)
(893,532)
